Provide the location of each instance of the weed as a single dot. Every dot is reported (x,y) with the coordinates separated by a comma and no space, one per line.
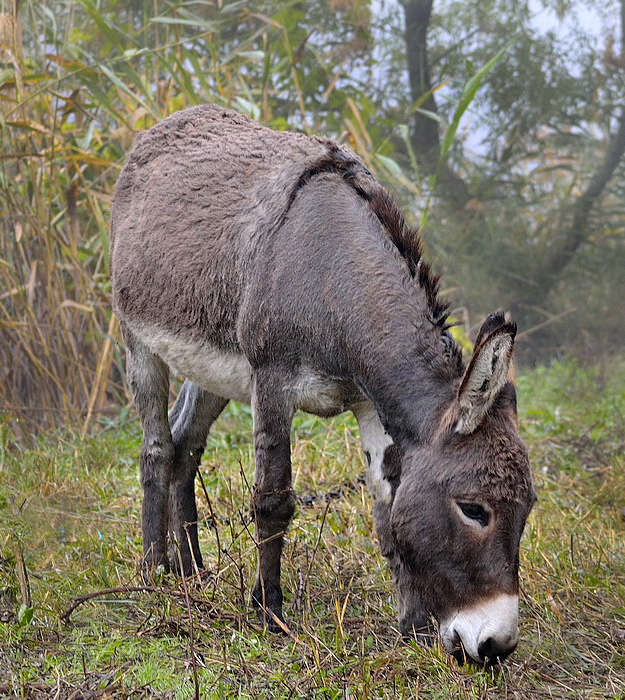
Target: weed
(72,507)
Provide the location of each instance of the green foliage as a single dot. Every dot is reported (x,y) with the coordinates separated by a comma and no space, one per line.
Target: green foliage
(467,96)
(533,140)
(79,79)
(76,506)
(540,129)
(24,615)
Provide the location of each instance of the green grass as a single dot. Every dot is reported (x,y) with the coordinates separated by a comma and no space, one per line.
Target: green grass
(70,508)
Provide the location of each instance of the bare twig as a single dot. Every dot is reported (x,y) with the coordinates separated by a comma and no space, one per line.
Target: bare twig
(187,601)
(312,559)
(22,575)
(301,589)
(548,322)
(101,376)
(169,592)
(197,575)
(214,521)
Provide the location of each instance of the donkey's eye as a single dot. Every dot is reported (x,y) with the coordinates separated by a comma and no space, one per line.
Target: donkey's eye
(474,511)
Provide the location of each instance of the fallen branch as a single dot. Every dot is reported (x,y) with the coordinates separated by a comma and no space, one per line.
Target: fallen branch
(168,592)
(187,600)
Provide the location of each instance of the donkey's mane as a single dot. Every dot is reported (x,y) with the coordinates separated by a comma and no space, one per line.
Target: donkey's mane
(405,238)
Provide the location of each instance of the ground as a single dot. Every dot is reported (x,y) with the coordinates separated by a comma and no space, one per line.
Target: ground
(69,526)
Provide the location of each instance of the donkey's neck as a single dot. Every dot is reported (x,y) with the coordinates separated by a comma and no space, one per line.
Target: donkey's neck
(400,359)
(410,371)
(408,392)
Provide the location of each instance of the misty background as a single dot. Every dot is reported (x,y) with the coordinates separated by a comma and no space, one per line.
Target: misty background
(525,212)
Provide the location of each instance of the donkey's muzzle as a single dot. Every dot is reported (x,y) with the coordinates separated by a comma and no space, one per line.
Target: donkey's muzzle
(485,633)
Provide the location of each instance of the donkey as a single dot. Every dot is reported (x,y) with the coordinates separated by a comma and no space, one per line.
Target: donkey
(271,267)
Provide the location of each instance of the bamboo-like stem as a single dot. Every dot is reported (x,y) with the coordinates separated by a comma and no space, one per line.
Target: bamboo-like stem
(101,374)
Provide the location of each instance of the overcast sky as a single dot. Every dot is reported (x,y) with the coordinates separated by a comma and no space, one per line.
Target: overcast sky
(591,19)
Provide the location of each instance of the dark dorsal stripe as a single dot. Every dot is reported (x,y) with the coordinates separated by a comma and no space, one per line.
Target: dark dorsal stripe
(405,238)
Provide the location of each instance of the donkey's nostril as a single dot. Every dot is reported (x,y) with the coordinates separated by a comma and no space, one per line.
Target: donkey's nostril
(488,631)
(457,650)
(493,652)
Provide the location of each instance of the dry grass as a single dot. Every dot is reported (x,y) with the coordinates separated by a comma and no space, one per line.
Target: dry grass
(69,107)
(72,508)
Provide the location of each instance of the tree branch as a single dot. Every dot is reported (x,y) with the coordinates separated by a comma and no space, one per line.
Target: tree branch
(425,137)
(425,141)
(579,231)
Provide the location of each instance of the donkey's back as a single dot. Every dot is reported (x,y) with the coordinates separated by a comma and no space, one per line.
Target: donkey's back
(197,194)
(216,236)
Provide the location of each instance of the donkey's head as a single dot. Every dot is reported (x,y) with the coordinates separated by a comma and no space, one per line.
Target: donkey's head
(460,499)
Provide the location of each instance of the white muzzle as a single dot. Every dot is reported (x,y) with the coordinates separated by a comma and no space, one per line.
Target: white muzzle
(488,630)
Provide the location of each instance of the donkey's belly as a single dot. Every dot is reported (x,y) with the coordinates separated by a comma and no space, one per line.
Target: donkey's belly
(229,374)
(226,374)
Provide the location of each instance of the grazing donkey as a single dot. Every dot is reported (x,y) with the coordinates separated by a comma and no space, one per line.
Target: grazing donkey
(272,268)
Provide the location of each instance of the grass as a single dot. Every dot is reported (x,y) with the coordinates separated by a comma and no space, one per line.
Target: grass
(69,511)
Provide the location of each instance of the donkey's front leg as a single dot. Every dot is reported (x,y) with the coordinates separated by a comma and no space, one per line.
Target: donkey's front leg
(273,499)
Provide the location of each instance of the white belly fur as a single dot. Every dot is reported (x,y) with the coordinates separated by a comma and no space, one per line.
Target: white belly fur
(229,374)
(314,393)
(226,374)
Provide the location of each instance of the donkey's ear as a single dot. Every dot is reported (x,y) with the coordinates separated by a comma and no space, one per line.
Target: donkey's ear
(490,325)
(487,373)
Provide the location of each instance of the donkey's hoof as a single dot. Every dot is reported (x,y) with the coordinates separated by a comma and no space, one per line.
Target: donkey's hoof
(423,632)
(269,608)
(203,578)
(269,620)
(192,568)
(270,617)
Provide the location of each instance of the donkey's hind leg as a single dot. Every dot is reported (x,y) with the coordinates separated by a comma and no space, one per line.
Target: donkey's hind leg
(190,420)
(148,377)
